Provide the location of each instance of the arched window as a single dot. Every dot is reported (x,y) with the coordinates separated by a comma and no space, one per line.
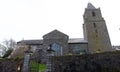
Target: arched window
(57,48)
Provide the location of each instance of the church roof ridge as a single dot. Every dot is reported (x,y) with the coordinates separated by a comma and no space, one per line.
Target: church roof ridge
(55,32)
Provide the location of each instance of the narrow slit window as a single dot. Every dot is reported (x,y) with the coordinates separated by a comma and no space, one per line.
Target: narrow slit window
(94,24)
(96,31)
(93,13)
(96,35)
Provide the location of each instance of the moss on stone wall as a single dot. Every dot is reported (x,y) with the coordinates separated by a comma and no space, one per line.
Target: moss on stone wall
(99,62)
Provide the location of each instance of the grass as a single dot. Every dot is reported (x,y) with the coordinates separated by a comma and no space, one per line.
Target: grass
(36,67)
(42,67)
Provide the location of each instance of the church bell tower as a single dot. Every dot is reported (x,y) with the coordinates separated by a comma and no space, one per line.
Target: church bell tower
(95,30)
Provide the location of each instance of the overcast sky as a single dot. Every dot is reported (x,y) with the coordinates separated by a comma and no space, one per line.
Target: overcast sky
(31,19)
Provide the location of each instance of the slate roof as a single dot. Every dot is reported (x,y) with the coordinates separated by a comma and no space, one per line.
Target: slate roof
(39,42)
(116,47)
(31,42)
(77,40)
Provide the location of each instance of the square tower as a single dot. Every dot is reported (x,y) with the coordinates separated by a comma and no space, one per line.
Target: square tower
(95,30)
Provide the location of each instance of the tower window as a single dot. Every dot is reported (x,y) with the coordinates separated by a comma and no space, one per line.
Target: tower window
(93,13)
(96,35)
(94,24)
(96,31)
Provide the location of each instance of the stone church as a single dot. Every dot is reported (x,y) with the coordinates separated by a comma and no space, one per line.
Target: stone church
(96,38)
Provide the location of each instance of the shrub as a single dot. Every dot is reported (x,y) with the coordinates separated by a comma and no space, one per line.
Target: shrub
(8,52)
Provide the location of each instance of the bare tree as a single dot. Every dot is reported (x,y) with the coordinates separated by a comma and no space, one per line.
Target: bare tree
(9,47)
(9,43)
(2,50)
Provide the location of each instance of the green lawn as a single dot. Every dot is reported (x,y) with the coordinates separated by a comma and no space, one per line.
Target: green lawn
(42,67)
(36,67)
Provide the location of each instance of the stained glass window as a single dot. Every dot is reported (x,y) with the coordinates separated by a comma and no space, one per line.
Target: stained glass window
(57,48)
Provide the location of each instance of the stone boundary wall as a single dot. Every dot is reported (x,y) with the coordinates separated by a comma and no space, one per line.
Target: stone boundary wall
(10,65)
(104,62)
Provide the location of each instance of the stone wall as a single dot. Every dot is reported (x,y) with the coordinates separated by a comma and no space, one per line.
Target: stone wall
(56,37)
(95,31)
(104,62)
(9,65)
